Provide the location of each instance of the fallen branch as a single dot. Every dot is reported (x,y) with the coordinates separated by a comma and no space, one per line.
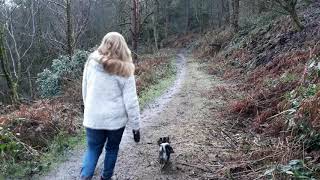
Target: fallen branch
(27,147)
(195,166)
(231,142)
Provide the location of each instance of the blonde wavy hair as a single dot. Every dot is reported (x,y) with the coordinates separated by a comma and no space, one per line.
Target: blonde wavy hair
(116,55)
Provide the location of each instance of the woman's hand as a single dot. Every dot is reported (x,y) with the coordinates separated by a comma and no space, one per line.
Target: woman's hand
(136,135)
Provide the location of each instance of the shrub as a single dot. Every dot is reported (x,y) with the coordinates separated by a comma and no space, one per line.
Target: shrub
(77,63)
(60,66)
(249,24)
(48,83)
(50,80)
(295,169)
(30,132)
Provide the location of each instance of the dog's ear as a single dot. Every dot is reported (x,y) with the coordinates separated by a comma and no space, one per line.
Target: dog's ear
(168,139)
(164,139)
(159,141)
(170,149)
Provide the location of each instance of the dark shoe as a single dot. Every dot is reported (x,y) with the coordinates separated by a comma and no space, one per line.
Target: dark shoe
(136,135)
(101,178)
(85,178)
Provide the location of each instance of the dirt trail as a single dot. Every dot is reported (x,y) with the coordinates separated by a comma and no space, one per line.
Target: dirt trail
(185,114)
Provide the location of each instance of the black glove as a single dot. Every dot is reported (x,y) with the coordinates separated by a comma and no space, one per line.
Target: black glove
(136,135)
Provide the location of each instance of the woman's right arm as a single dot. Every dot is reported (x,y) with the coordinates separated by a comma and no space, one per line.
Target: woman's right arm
(131,102)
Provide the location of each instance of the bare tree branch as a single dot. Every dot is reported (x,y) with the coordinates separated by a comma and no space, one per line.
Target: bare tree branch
(58,4)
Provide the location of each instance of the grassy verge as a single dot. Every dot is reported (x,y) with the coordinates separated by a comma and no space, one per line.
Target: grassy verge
(157,89)
(57,152)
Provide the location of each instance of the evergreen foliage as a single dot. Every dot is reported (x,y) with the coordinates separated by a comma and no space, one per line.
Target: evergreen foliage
(50,80)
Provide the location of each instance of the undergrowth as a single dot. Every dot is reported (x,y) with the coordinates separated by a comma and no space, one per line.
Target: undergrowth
(21,160)
(34,132)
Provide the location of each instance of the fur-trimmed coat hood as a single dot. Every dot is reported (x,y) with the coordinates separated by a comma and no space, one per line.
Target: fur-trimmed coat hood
(114,66)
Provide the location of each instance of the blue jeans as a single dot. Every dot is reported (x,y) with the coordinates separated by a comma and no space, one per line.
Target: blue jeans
(96,140)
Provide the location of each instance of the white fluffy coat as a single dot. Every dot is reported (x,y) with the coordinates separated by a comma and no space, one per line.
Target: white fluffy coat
(110,101)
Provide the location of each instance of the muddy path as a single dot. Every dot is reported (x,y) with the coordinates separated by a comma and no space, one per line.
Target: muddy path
(183,112)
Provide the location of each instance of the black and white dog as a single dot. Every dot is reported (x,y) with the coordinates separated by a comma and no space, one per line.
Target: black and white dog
(165,150)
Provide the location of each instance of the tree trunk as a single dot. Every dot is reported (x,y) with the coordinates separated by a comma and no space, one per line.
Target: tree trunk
(119,16)
(155,25)
(155,34)
(187,16)
(12,85)
(235,15)
(254,6)
(14,92)
(211,10)
(69,32)
(202,25)
(149,41)
(225,12)
(135,28)
(296,20)
(167,19)
(219,14)
(198,15)
(30,84)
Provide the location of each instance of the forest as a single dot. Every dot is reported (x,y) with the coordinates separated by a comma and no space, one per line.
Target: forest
(234,83)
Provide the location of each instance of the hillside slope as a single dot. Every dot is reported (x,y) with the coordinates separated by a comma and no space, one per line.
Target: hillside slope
(275,108)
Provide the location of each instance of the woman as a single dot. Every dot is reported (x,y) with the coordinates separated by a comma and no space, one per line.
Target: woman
(110,101)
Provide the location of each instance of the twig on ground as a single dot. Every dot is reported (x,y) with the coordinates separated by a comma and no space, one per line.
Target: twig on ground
(195,166)
(231,142)
(27,147)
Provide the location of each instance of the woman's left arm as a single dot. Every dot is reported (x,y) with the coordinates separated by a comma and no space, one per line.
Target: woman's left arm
(84,84)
